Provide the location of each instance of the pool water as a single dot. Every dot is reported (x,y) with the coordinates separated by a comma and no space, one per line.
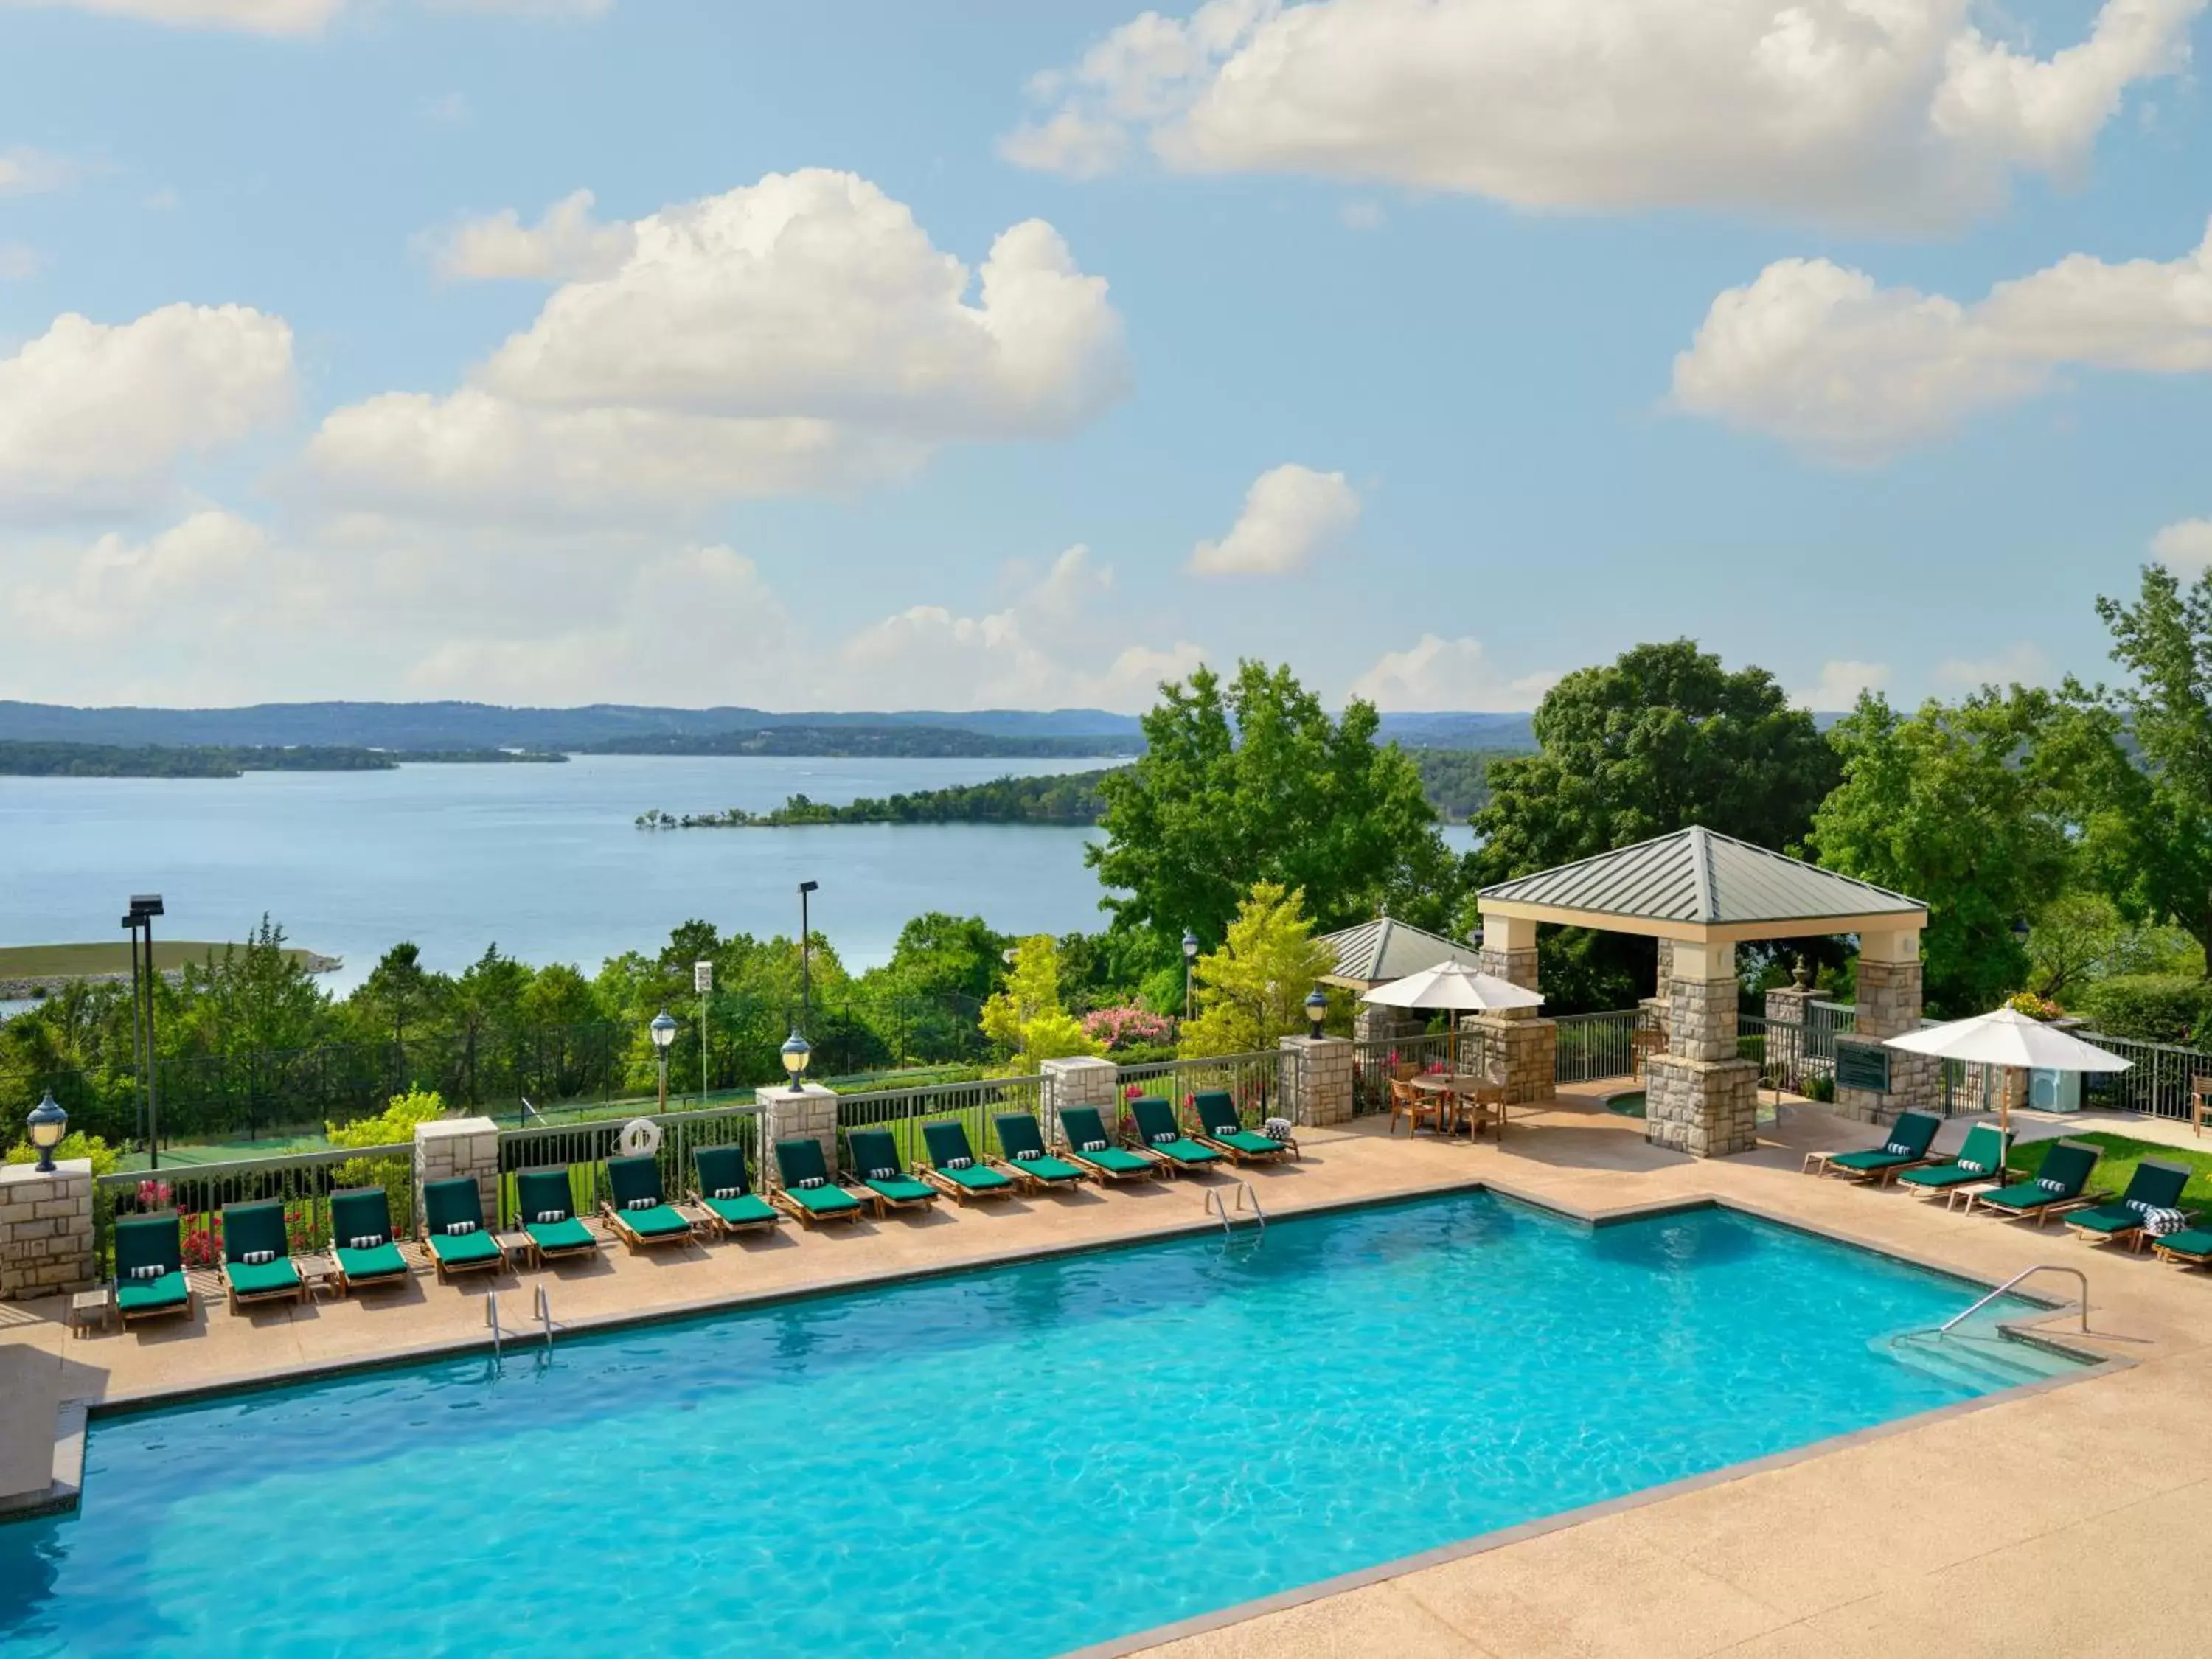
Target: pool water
(1014,1461)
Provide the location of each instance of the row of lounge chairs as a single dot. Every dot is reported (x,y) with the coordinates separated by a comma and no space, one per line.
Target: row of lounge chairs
(363,1250)
(2058,1189)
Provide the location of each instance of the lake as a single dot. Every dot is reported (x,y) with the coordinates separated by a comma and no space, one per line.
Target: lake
(543,860)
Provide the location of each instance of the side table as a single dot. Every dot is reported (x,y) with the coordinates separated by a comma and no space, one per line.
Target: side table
(93,1307)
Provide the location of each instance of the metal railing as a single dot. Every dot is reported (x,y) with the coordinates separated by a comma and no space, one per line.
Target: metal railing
(2025,1272)
(2157,1082)
(1255,1081)
(585,1147)
(1594,1046)
(904,1111)
(303,1181)
(1377,1059)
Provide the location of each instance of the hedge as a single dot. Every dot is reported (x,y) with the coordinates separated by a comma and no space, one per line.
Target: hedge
(2148,1007)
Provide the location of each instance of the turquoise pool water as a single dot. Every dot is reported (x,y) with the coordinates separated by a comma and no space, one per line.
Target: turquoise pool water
(1016,1461)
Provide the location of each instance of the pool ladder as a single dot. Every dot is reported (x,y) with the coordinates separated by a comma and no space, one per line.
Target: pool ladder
(2025,1272)
(1217,1206)
(543,1313)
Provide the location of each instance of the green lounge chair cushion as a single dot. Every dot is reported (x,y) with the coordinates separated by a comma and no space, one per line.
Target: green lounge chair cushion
(1046,1167)
(261,1277)
(2106,1218)
(464,1249)
(747,1211)
(977,1179)
(248,1228)
(1249,1141)
(1187,1150)
(1118,1158)
(455,1199)
(2022,1195)
(145,1295)
(900,1189)
(2197,1242)
(661,1221)
(722,1166)
(1874,1159)
(1943,1174)
(152,1240)
(385,1261)
(537,1191)
(823,1200)
(556,1236)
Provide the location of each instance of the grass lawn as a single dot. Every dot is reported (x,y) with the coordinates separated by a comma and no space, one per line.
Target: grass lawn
(39,962)
(2117,1157)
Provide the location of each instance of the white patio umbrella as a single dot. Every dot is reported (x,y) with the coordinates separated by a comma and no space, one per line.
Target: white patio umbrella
(1455,987)
(2005,1036)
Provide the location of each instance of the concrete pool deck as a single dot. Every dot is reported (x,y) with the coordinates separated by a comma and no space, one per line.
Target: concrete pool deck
(1919,1537)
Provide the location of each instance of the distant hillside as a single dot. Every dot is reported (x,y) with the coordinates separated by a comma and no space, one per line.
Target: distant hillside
(465,725)
(100,760)
(869,742)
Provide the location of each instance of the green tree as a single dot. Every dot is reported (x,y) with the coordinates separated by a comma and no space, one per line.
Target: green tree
(940,956)
(400,995)
(1942,804)
(1252,990)
(2147,824)
(1663,737)
(254,998)
(1026,1015)
(1253,781)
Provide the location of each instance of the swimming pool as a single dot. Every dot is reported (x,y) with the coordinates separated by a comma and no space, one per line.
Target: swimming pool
(1018,1461)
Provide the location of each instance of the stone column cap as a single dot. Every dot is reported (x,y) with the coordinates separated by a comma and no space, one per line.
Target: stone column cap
(11,1173)
(785,1091)
(1080,1063)
(446,1128)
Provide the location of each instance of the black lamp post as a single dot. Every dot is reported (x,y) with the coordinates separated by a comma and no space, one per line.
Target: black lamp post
(664,1033)
(47,1125)
(144,907)
(805,957)
(1189,966)
(795,1054)
(1316,1010)
(2020,930)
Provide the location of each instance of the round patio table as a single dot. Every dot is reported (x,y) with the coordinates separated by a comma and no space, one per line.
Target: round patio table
(1458,1095)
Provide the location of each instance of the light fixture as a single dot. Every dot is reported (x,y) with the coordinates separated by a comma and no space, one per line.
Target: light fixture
(47,1124)
(1189,946)
(1316,1010)
(663,1029)
(2020,930)
(795,1054)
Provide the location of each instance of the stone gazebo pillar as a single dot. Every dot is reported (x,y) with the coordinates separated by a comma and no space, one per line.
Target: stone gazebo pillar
(1651,1011)
(1889,1005)
(1702,1098)
(1517,1042)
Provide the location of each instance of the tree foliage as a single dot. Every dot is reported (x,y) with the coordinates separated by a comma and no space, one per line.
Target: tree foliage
(1026,1015)
(1948,805)
(1252,990)
(1252,781)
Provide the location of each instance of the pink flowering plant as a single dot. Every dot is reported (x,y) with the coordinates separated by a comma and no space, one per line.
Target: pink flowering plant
(1128,1026)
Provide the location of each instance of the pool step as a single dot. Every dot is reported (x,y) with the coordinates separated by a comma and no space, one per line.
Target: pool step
(1981,1359)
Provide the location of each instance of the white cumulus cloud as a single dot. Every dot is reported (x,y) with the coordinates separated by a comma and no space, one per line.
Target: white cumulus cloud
(246,17)
(798,334)
(1822,358)
(1291,514)
(565,243)
(2185,548)
(1893,113)
(2022,663)
(1839,684)
(1434,674)
(28,172)
(94,415)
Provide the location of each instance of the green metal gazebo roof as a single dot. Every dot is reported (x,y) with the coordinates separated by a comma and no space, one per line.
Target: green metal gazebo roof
(1376,952)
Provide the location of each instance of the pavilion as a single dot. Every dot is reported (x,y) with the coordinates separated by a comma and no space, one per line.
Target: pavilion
(1701,895)
(1372,953)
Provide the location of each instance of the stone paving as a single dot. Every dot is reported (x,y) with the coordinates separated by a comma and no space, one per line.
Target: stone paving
(1920,1538)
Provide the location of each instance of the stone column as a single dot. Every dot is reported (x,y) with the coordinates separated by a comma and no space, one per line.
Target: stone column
(1889,975)
(1079,1081)
(1518,1044)
(1789,1017)
(1317,1085)
(808,1112)
(1701,1098)
(45,1230)
(449,1147)
(1651,1011)
(1375,1023)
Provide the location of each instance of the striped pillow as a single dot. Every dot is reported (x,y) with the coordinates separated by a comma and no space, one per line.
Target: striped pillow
(257,1258)
(546,1218)
(364,1241)
(150,1271)
(458,1229)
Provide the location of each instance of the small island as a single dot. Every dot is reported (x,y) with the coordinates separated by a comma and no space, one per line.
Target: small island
(104,760)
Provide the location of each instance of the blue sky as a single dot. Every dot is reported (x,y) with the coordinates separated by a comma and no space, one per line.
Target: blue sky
(1471,359)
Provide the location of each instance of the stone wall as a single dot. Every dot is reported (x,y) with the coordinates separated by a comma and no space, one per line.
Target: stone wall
(808,1112)
(1079,1081)
(1316,1082)
(1707,1107)
(1519,1051)
(1515,967)
(451,1147)
(45,1230)
(1701,1021)
(1889,1005)
(1375,1023)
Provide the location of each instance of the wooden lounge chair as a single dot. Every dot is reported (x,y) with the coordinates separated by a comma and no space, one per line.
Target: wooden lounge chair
(365,1253)
(2189,1248)
(1223,1129)
(453,1228)
(2055,1190)
(954,1170)
(640,1212)
(1026,1159)
(149,1267)
(2154,1186)
(1906,1148)
(725,1192)
(257,1254)
(876,1166)
(546,1201)
(1163,1138)
(1981,1159)
(807,1191)
(1090,1150)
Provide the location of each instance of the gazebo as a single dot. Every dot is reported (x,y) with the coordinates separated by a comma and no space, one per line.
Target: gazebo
(1700,895)
(1374,953)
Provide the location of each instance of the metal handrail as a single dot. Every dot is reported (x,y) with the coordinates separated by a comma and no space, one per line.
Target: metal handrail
(491,1318)
(545,1315)
(1244,1190)
(1217,1206)
(2025,1272)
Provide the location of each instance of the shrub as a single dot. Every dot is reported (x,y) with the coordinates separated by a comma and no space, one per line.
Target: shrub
(74,1144)
(1128,1026)
(2035,1007)
(2148,1007)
